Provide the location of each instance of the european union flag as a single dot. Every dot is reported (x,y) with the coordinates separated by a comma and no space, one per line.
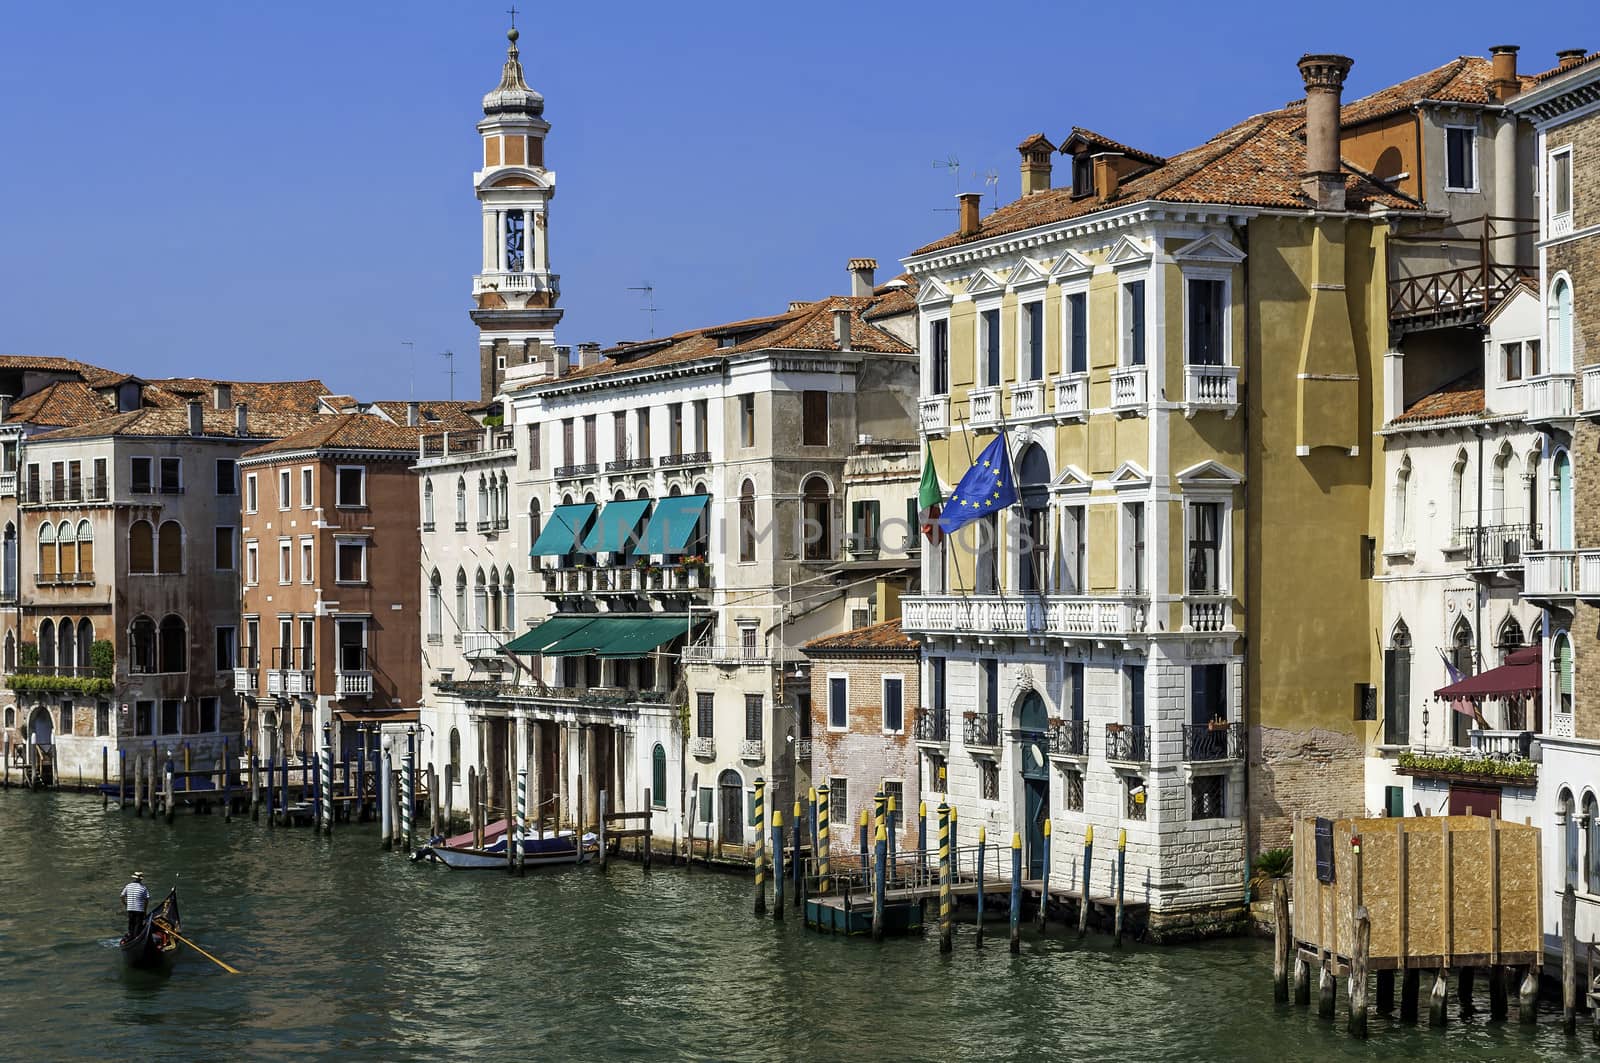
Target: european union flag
(986,488)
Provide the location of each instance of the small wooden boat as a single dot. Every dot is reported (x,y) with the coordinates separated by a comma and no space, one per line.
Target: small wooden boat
(156,944)
(539,848)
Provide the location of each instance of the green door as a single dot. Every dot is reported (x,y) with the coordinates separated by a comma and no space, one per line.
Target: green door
(1031,724)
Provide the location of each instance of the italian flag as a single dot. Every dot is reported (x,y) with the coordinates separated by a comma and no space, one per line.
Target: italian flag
(929,498)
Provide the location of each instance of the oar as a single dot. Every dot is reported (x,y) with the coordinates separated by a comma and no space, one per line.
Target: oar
(197,948)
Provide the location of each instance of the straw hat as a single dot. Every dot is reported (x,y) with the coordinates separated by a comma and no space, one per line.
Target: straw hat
(138,876)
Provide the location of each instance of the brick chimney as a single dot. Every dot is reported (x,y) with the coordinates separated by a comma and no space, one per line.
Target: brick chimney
(971,212)
(241,419)
(221,395)
(862,271)
(1322,181)
(1503,83)
(197,417)
(1106,175)
(841,327)
(1036,152)
(588,355)
(1567,58)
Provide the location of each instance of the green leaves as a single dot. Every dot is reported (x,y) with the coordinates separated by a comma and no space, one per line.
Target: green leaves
(1459,765)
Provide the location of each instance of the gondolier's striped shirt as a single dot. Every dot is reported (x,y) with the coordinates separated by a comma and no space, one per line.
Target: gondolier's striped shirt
(136,896)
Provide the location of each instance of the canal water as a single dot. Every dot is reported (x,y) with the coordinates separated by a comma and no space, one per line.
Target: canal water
(350,952)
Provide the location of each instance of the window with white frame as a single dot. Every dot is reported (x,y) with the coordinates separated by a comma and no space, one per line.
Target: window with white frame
(1205,561)
(838,703)
(251,497)
(989,347)
(1133,330)
(352,484)
(1559,319)
(1075,331)
(285,561)
(308,572)
(1461,159)
(939,357)
(1030,353)
(1205,323)
(1559,190)
(894,712)
(283,489)
(1074,549)
(252,563)
(306,501)
(1400,509)
(350,556)
(1133,547)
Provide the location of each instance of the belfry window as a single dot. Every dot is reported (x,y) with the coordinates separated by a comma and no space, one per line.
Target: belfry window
(514,241)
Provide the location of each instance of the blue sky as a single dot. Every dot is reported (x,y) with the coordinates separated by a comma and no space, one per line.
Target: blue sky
(284,190)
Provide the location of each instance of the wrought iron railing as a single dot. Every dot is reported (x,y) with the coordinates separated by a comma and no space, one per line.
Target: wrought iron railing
(1070,738)
(568,472)
(1502,545)
(1213,741)
(932,725)
(982,731)
(1127,742)
(630,464)
(693,457)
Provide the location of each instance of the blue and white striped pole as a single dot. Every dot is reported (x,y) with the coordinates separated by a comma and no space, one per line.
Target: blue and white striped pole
(406,781)
(521,817)
(327,781)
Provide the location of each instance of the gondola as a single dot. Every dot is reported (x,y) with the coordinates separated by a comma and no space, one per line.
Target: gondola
(154,946)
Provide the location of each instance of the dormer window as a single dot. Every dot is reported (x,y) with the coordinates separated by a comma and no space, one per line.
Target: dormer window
(1082,175)
(1461,159)
(724,342)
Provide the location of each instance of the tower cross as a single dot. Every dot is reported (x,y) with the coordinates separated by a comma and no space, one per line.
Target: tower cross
(513,13)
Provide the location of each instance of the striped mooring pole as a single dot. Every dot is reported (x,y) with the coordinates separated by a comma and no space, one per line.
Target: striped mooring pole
(1122,878)
(1088,860)
(761,830)
(822,838)
(407,778)
(1044,876)
(519,825)
(881,856)
(798,868)
(983,838)
(922,834)
(865,815)
(1016,892)
(777,865)
(944,874)
(326,787)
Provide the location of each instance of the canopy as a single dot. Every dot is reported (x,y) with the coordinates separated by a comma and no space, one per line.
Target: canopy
(616,525)
(640,635)
(562,530)
(549,633)
(610,636)
(1522,675)
(673,523)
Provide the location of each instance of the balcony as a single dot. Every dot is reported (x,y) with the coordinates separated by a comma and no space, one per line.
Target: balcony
(1561,574)
(981,732)
(1213,741)
(1492,758)
(299,682)
(1129,389)
(1589,408)
(1208,612)
(1550,398)
(726,653)
(630,465)
(678,461)
(1462,294)
(1500,547)
(752,751)
(1027,400)
(354,684)
(985,406)
(1127,743)
(932,726)
(8,483)
(933,413)
(1211,387)
(703,748)
(1072,397)
(480,645)
(63,579)
(573,472)
(1069,738)
(1059,615)
(862,547)
(275,682)
(245,680)
(515,281)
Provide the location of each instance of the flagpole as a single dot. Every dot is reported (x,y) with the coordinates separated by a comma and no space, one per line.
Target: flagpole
(1011,463)
(955,554)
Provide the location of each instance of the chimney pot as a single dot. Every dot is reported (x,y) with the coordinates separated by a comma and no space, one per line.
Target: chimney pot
(413,414)
(221,395)
(197,417)
(841,327)
(1567,58)
(971,211)
(241,419)
(1324,79)
(588,355)
(862,271)
(1503,61)
(1037,161)
(1106,177)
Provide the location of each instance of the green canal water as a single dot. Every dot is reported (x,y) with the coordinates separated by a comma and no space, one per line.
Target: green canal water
(352,953)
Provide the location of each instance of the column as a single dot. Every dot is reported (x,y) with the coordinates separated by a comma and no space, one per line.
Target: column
(538,240)
(488,241)
(535,763)
(528,264)
(591,785)
(500,240)
(563,787)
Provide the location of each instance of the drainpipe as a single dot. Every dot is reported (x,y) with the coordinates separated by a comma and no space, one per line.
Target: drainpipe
(1243,237)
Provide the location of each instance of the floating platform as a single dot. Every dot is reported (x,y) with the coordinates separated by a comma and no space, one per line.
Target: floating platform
(835,915)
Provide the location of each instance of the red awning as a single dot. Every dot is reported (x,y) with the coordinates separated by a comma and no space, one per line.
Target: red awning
(1521,676)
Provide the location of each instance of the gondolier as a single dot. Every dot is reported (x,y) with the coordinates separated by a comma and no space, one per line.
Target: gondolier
(136,898)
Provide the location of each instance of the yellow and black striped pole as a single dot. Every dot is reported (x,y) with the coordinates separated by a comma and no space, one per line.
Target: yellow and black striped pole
(865,829)
(879,800)
(1044,876)
(1122,875)
(888,818)
(761,830)
(1016,892)
(879,877)
(822,839)
(1088,861)
(777,865)
(944,877)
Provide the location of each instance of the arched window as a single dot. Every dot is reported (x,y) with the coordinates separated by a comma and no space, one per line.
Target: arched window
(47,646)
(1567,820)
(1458,500)
(435,606)
(66,653)
(1503,509)
(141,547)
(817,519)
(503,513)
(47,553)
(11,710)
(658,776)
(480,603)
(142,645)
(1561,502)
(1397,687)
(483,499)
(494,601)
(8,564)
(10,660)
(169,551)
(461,503)
(1510,638)
(85,548)
(1465,662)
(511,600)
(1402,504)
(1562,666)
(427,504)
(461,603)
(85,643)
(535,524)
(1591,864)
(747,521)
(1560,332)
(67,537)
(1033,536)
(174,645)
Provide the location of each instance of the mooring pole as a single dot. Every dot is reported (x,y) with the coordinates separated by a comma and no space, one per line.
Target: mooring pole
(922,835)
(1044,879)
(944,872)
(519,826)
(604,798)
(385,782)
(1528,996)
(1410,994)
(407,782)
(1569,960)
(1357,1025)
(1016,892)
(983,840)
(122,778)
(881,856)
(1499,1005)
(777,865)
(761,828)
(798,869)
(1302,979)
(1122,881)
(327,780)
(823,821)
(227,785)
(1327,988)
(266,794)
(1436,997)
(889,811)
(1088,860)
(864,815)
(1280,939)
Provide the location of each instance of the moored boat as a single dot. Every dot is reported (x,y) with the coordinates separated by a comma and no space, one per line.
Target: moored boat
(156,943)
(539,848)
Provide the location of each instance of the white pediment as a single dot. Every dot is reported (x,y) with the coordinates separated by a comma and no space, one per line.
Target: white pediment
(932,292)
(1128,252)
(1026,274)
(984,282)
(1129,474)
(1209,248)
(1071,265)
(1209,474)
(1071,479)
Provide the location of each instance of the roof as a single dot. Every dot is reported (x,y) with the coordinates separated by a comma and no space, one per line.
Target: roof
(69,402)
(1461,397)
(442,416)
(174,421)
(1556,71)
(1464,80)
(48,363)
(1257,163)
(874,638)
(1104,143)
(348,431)
(289,396)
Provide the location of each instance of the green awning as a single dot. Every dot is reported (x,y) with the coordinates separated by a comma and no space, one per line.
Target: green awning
(616,525)
(562,530)
(672,524)
(549,633)
(639,635)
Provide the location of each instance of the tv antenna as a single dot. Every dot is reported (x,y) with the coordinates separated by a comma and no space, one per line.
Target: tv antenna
(450,370)
(650,303)
(992,179)
(952,164)
(411,351)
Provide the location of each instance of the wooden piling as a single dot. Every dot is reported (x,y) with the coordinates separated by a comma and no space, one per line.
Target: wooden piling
(1499,999)
(267,795)
(433,802)
(1302,979)
(1410,994)
(1016,892)
(1088,859)
(983,884)
(777,864)
(1569,960)
(1386,992)
(945,940)
(1357,1024)
(880,873)
(172,804)
(797,866)
(649,826)
(1044,880)
(922,834)
(864,815)
(1437,1015)
(1282,941)
(604,797)
(472,804)
(122,779)
(1465,977)
(1327,988)
(1528,996)
(255,786)
(105,777)
(1122,882)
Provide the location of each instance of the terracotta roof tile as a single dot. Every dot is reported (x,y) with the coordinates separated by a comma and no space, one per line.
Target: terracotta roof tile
(174,421)
(48,363)
(441,415)
(1464,79)
(1105,143)
(69,402)
(874,638)
(348,431)
(1461,397)
(1539,79)
(1038,140)
(288,396)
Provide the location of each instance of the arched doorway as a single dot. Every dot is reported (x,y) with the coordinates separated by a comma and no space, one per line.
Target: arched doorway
(41,729)
(1033,543)
(1034,765)
(730,808)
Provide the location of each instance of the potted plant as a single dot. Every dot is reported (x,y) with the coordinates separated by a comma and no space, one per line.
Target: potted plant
(1269,865)
(1114,728)
(1217,723)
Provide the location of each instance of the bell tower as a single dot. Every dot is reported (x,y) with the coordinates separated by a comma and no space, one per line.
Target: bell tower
(515,293)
